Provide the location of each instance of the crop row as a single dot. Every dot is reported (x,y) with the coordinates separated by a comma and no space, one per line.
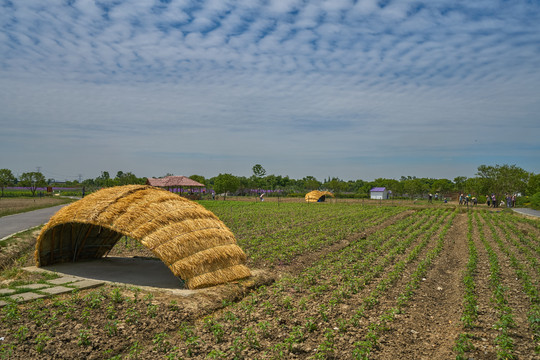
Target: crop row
(330,298)
(504,342)
(526,271)
(470,301)
(320,226)
(522,273)
(364,347)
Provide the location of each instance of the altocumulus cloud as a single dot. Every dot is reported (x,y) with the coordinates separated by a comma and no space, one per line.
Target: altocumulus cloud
(355,89)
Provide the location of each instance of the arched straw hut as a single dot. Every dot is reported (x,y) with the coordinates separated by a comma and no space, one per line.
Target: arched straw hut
(317,196)
(190,240)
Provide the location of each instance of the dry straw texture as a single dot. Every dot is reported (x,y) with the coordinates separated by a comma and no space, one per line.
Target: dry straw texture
(190,240)
(315,195)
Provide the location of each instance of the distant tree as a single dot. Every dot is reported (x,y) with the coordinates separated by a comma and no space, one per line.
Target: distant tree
(533,185)
(128,178)
(89,182)
(104,179)
(356,186)
(33,180)
(335,185)
(415,187)
(391,184)
(258,170)
(502,179)
(198,178)
(459,183)
(311,183)
(270,182)
(225,183)
(442,186)
(6,179)
(474,186)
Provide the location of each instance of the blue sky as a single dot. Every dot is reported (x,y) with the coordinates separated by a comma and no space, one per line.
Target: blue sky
(353,89)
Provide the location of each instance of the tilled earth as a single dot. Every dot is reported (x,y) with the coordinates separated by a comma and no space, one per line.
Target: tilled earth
(274,316)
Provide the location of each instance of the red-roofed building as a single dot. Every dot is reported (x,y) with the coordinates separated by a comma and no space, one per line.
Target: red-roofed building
(177,184)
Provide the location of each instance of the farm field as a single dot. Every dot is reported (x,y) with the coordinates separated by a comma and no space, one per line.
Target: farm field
(347,281)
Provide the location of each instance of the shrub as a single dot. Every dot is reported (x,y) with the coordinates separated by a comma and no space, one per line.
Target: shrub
(535,201)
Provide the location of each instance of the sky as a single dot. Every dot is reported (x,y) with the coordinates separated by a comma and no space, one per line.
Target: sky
(339,88)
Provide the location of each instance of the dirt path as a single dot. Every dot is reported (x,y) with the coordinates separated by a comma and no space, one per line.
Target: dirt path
(517,300)
(429,326)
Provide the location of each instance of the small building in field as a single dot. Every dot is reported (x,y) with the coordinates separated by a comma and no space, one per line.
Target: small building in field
(379,193)
(182,185)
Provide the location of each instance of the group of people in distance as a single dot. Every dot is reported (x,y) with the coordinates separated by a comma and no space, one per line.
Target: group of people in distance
(467,199)
(430,198)
(510,200)
(491,200)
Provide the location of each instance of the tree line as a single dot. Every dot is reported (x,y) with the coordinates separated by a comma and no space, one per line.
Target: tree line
(498,179)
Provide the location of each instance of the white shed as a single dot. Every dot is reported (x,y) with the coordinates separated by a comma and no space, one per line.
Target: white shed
(379,193)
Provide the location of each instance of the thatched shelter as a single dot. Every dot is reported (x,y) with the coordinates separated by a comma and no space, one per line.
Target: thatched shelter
(178,184)
(190,240)
(317,196)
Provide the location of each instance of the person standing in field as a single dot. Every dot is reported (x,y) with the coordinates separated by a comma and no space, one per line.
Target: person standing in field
(488,200)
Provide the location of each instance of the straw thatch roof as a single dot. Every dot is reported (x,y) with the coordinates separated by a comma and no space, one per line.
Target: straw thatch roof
(190,240)
(173,181)
(315,195)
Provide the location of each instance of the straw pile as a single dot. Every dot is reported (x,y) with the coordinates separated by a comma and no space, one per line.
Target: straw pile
(315,195)
(190,240)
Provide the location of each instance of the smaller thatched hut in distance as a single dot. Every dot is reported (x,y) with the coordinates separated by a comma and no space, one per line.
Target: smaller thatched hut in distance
(317,196)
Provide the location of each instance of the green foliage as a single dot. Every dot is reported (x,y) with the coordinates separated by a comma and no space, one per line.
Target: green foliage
(117,296)
(501,179)
(33,180)
(198,178)
(84,338)
(111,327)
(533,186)
(41,341)
(258,170)
(161,344)
(311,183)
(535,201)
(6,179)
(21,334)
(225,183)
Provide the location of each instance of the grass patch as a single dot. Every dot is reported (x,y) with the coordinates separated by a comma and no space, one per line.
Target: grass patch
(10,206)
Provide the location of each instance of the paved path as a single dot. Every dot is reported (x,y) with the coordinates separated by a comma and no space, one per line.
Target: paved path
(13,224)
(60,285)
(526,211)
